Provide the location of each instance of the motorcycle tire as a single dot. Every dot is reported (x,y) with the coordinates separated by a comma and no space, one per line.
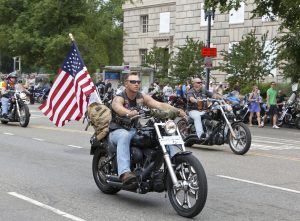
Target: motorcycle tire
(189,169)
(99,176)
(280,123)
(24,120)
(244,138)
(297,122)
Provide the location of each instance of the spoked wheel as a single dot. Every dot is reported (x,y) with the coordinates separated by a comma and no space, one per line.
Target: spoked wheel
(24,116)
(242,142)
(100,175)
(189,197)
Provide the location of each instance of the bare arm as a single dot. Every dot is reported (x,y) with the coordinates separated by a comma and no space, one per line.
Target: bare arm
(117,106)
(150,102)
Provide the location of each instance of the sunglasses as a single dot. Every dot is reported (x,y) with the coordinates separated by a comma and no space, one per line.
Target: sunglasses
(198,82)
(134,82)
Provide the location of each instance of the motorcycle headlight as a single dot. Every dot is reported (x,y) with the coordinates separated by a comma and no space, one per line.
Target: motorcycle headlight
(23,96)
(170,127)
(228,108)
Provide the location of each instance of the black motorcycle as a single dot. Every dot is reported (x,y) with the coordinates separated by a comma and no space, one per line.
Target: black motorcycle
(220,126)
(290,113)
(177,101)
(18,110)
(182,175)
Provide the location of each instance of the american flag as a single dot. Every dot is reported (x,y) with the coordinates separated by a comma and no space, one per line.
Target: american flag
(68,97)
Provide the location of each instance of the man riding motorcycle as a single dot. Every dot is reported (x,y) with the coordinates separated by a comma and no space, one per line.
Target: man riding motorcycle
(121,131)
(194,95)
(7,86)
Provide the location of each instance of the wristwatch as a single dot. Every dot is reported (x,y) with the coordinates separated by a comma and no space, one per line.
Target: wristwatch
(127,115)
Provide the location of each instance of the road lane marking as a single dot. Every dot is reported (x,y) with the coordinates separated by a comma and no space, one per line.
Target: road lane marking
(38,139)
(260,184)
(10,134)
(37,203)
(276,139)
(75,146)
(274,156)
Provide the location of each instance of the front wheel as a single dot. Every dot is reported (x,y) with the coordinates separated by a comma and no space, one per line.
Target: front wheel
(24,115)
(100,157)
(240,144)
(188,199)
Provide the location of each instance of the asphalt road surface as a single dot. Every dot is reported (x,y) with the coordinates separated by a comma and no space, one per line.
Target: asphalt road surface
(45,174)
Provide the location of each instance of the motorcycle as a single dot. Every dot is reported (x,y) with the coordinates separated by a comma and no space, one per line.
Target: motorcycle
(177,101)
(242,113)
(181,175)
(290,112)
(18,110)
(220,125)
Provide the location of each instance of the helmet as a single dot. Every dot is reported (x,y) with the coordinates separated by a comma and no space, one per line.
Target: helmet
(12,75)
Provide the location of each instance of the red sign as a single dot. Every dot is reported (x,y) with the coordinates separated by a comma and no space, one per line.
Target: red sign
(212,52)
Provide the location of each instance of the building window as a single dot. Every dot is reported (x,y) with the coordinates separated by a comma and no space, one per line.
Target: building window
(143,55)
(164,22)
(237,17)
(144,23)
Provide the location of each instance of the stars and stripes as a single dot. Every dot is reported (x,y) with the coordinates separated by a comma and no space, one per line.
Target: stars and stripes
(67,98)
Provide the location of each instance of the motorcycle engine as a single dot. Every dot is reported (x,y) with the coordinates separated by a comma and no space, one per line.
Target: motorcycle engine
(158,181)
(209,125)
(218,138)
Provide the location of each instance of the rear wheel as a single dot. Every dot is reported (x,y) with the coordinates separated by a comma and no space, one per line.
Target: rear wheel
(240,144)
(189,198)
(100,175)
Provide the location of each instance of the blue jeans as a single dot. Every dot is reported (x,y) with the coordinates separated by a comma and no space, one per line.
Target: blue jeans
(121,138)
(4,102)
(196,116)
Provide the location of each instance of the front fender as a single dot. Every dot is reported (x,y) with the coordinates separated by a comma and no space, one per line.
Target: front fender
(181,153)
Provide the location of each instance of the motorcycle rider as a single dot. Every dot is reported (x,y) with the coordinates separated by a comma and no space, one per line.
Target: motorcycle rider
(7,86)
(121,132)
(196,93)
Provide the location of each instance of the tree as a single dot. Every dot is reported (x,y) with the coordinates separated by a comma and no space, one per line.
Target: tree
(288,13)
(159,60)
(289,55)
(249,61)
(37,30)
(188,61)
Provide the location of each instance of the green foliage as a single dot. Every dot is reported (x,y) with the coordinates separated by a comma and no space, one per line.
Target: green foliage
(248,61)
(188,62)
(288,13)
(37,30)
(289,54)
(158,59)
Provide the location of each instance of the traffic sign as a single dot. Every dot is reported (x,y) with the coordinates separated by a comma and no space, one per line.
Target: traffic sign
(208,62)
(212,52)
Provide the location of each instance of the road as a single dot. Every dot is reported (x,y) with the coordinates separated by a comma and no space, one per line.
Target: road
(45,174)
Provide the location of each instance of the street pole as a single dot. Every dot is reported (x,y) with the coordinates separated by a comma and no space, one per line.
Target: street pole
(209,14)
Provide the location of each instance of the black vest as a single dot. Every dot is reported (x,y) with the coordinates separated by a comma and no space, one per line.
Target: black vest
(121,122)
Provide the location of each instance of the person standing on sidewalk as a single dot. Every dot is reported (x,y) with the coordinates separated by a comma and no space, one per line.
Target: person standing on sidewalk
(272,104)
(254,98)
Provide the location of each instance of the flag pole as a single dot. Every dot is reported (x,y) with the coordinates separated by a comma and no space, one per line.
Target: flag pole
(97,94)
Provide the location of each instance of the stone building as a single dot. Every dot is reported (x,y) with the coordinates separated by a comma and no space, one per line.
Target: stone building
(167,23)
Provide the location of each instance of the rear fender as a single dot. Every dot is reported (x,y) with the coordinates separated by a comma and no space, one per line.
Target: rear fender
(96,144)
